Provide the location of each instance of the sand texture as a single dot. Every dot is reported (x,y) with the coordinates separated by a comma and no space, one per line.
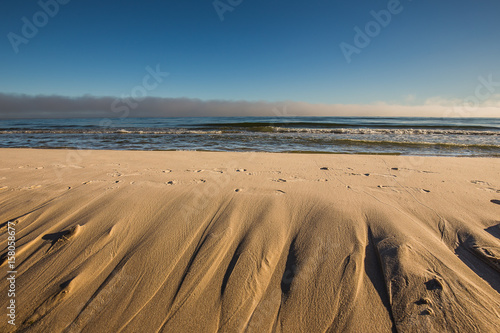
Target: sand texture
(138,241)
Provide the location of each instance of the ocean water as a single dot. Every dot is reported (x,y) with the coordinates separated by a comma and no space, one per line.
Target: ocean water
(354,135)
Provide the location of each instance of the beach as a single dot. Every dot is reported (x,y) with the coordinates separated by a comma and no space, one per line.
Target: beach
(185,241)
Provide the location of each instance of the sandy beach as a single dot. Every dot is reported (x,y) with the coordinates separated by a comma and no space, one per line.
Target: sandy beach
(155,241)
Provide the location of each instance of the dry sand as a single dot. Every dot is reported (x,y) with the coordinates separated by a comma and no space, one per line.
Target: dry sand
(203,242)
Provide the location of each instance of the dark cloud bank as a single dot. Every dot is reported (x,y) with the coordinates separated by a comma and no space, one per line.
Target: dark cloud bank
(14,106)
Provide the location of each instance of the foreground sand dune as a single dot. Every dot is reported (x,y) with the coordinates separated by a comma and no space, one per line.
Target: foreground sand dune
(203,242)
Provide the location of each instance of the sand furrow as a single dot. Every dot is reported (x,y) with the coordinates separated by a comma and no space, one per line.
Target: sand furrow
(337,255)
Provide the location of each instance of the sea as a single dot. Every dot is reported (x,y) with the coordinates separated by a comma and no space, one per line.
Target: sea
(337,135)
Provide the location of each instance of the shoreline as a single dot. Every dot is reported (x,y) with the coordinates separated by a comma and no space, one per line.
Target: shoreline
(255,152)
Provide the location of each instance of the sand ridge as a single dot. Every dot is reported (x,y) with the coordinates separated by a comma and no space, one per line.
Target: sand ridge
(191,241)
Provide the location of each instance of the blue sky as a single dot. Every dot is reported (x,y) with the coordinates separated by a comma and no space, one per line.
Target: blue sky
(262,51)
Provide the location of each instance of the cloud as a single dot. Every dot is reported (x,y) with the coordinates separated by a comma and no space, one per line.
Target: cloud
(411,98)
(442,101)
(27,106)
(493,101)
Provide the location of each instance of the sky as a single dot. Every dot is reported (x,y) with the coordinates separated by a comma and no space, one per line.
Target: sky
(316,57)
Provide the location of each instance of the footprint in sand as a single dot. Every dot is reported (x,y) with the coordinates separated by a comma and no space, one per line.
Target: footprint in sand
(423,300)
(391,188)
(485,186)
(427,311)
(495,201)
(480,182)
(433,284)
(32,187)
(425,303)
(58,239)
(280,192)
